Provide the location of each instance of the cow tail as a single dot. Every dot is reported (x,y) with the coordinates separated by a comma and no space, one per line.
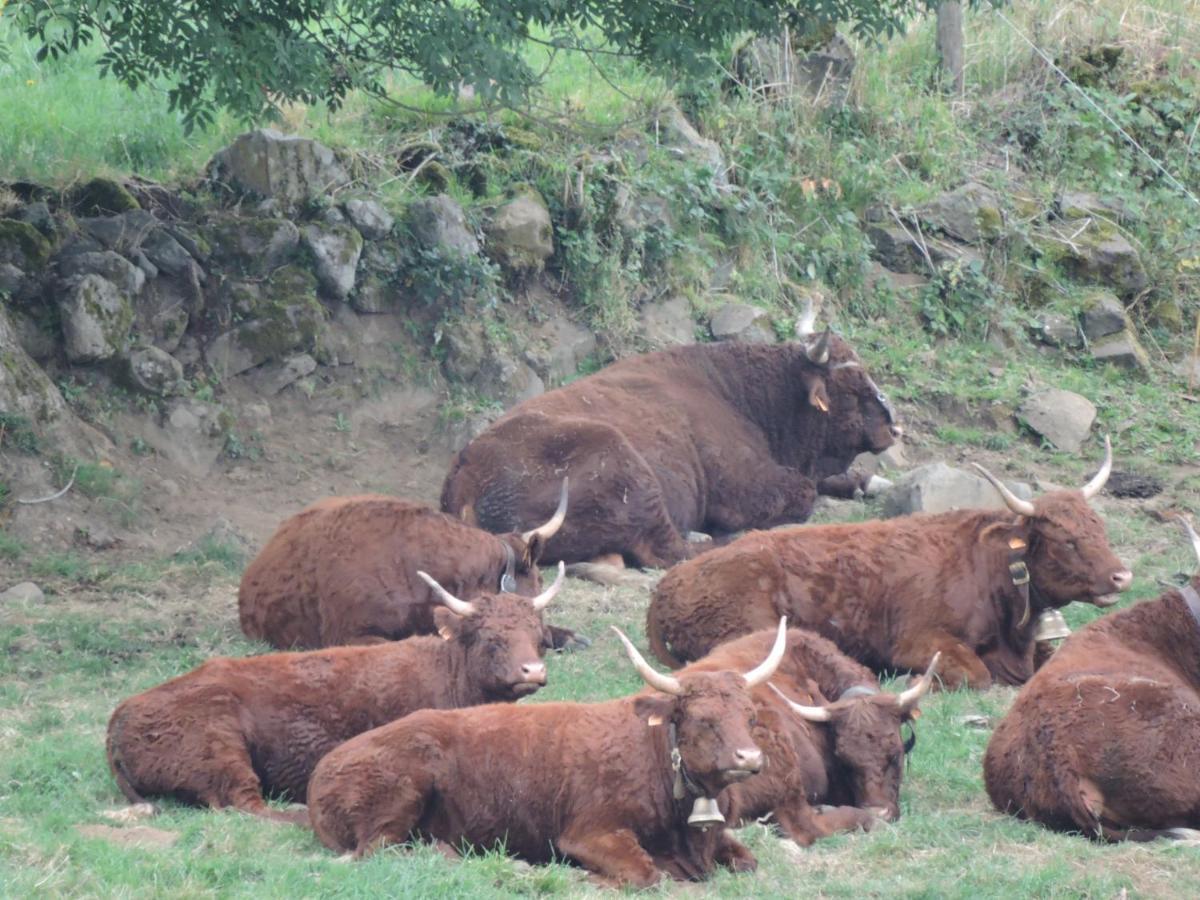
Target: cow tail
(657,644)
(116,763)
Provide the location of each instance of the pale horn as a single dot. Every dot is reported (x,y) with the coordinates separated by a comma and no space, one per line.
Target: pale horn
(1015,503)
(542,600)
(767,667)
(656,680)
(547,531)
(808,713)
(1187,526)
(909,698)
(807,320)
(459,607)
(1092,488)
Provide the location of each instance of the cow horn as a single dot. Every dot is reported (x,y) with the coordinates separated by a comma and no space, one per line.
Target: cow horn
(547,531)
(656,680)
(808,319)
(460,607)
(1187,526)
(819,353)
(1092,488)
(808,713)
(767,667)
(909,698)
(542,600)
(1015,503)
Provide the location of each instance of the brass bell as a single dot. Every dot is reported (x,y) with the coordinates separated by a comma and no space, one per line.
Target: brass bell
(705,813)
(1051,626)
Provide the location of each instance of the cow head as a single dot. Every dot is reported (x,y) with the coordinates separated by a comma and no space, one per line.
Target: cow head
(860,419)
(865,725)
(501,637)
(522,550)
(711,714)
(1068,553)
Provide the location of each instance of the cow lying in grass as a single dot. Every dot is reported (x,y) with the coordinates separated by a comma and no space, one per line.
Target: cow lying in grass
(233,730)
(831,766)
(1105,738)
(969,584)
(591,782)
(344,571)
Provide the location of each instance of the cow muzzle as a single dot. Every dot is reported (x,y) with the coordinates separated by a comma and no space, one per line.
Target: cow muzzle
(533,676)
(747,761)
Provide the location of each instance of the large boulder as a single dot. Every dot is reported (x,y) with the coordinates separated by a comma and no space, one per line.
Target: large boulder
(102,197)
(1104,256)
(96,320)
(904,249)
(168,255)
(24,388)
(970,213)
(370,217)
(666,323)
(255,246)
(155,371)
(123,233)
(1102,314)
(741,322)
(163,310)
(1122,349)
(288,168)
(937,487)
(1062,417)
(1058,330)
(473,358)
(23,246)
(335,250)
(520,236)
(438,224)
(113,267)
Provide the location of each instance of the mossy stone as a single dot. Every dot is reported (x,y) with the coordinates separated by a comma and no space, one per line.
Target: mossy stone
(23,246)
(104,197)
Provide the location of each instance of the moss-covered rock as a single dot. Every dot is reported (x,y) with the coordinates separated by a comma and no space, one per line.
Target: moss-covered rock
(520,235)
(24,388)
(103,197)
(96,320)
(335,251)
(23,246)
(254,246)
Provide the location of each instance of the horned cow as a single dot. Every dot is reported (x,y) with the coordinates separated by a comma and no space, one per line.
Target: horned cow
(593,782)
(969,584)
(715,438)
(233,729)
(1105,738)
(344,571)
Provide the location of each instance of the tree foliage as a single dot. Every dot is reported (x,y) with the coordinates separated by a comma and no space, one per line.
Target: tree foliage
(248,56)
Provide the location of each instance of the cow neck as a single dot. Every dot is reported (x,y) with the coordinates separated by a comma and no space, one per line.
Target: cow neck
(682,785)
(763,383)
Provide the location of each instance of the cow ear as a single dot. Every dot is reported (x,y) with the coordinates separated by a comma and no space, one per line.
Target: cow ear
(654,709)
(447,623)
(818,397)
(533,552)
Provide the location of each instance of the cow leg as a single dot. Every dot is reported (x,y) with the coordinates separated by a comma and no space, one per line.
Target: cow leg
(835,819)
(566,639)
(393,823)
(237,785)
(960,666)
(759,496)
(733,854)
(615,857)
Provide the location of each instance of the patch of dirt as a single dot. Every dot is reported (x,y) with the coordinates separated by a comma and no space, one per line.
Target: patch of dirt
(141,836)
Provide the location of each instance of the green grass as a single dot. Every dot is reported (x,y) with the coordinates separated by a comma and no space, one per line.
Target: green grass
(68,661)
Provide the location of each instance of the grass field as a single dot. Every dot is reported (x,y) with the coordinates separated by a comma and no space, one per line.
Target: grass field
(103,634)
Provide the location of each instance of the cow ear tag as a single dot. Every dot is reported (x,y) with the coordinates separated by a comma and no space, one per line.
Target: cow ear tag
(446,633)
(915,713)
(1016,544)
(654,721)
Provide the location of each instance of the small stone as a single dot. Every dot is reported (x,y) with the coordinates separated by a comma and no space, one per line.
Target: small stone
(257,415)
(154,371)
(273,379)
(970,213)
(335,250)
(1062,417)
(167,253)
(1103,314)
(25,592)
(681,137)
(741,322)
(438,223)
(103,196)
(370,217)
(520,234)
(1058,330)
(96,536)
(1122,350)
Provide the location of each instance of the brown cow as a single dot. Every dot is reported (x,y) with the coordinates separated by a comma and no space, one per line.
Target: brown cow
(713,437)
(592,782)
(831,766)
(1105,738)
(233,729)
(344,571)
(967,583)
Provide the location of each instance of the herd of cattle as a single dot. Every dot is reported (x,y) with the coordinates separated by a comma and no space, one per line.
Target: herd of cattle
(412,631)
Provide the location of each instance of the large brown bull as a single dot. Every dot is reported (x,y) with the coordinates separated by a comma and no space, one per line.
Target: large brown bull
(715,438)
(233,729)
(344,571)
(1105,738)
(608,785)
(832,766)
(969,584)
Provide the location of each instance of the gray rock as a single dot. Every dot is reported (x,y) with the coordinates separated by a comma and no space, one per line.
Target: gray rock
(741,322)
(1122,349)
(472,358)
(168,254)
(680,136)
(937,487)
(161,312)
(1108,259)
(372,295)
(113,267)
(287,168)
(256,246)
(155,371)
(901,251)
(142,261)
(22,245)
(826,72)
(123,233)
(273,379)
(23,593)
(1062,417)
(666,323)
(370,217)
(438,223)
(893,458)
(24,388)
(1058,330)
(191,435)
(257,415)
(39,216)
(1188,369)
(335,250)
(1081,205)
(520,236)
(283,330)
(557,348)
(34,340)
(96,536)
(461,432)
(12,280)
(1103,314)
(970,213)
(831,510)
(96,320)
